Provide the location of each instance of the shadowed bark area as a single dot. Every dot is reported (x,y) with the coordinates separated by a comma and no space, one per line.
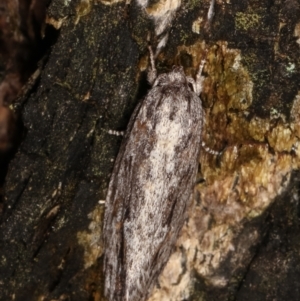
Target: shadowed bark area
(62,166)
(90,82)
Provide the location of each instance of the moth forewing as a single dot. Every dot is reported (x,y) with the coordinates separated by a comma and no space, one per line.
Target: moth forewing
(151,186)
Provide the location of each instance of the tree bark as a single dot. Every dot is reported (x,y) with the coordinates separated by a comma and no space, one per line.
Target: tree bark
(241,241)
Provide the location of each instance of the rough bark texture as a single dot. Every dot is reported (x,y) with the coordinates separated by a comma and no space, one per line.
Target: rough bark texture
(242,239)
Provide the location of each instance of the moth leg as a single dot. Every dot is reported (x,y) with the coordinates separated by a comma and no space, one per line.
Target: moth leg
(211,151)
(115,133)
(152,73)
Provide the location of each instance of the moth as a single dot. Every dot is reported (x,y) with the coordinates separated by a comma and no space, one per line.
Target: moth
(152,185)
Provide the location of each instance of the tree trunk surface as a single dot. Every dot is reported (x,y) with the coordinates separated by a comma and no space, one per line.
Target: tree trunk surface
(242,239)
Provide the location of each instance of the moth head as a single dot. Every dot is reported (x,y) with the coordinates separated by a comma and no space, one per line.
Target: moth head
(175,78)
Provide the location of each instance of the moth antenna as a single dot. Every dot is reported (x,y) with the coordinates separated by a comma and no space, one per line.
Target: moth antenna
(152,73)
(200,77)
